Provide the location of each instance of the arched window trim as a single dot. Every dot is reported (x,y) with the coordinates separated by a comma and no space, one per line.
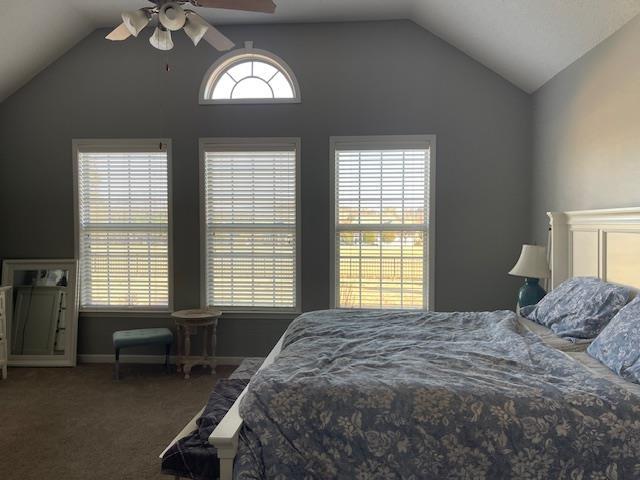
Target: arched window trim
(220,67)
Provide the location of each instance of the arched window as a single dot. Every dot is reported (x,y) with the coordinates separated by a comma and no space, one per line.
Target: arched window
(249,75)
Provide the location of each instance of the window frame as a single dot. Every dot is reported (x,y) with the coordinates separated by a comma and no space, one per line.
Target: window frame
(249,144)
(121,145)
(383,142)
(226,61)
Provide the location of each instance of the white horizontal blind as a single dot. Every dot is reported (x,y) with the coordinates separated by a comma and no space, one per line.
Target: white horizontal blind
(123,228)
(382,209)
(250,202)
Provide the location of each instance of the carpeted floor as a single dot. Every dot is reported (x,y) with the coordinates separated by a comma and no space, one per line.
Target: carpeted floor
(77,423)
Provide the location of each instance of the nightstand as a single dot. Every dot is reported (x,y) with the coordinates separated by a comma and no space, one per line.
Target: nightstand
(187,324)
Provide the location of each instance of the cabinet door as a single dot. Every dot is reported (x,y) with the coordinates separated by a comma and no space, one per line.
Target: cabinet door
(3,314)
(3,352)
(36,314)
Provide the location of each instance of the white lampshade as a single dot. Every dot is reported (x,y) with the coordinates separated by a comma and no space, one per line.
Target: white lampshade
(136,21)
(195,27)
(161,39)
(532,263)
(172,16)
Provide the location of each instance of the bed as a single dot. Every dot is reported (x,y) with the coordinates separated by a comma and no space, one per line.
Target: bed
(443,395)
(550,338)
(189,455)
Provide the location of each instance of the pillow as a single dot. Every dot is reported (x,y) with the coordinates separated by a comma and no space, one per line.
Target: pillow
(579,307)
(618,346)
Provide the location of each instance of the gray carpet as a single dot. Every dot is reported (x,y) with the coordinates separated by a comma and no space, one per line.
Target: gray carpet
(77,423)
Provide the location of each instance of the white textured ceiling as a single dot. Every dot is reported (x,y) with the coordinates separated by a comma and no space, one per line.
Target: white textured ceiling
(525,41)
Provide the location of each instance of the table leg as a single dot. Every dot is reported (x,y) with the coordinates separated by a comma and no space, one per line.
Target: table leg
(187,352)
(117,364)
(214,341)
(205,341)
(179,347)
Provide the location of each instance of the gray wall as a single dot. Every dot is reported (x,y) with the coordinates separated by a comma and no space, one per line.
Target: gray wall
(356,79)
(587,132)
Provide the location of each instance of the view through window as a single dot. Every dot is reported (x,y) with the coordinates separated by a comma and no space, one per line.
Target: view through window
(250,76)
(382,224)
(123,225)
(252,79)
(250,200)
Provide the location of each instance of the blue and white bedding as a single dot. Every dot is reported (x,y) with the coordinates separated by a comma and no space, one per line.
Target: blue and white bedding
(599,369)
(388,394)
(618,346)
(579,308)
(551,339)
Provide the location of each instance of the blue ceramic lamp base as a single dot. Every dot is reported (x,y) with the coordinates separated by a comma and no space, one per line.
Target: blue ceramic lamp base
(531,292)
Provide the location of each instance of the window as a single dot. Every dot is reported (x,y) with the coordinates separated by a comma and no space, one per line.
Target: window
(383,222)
(249,76)
(123,224)
(250,223)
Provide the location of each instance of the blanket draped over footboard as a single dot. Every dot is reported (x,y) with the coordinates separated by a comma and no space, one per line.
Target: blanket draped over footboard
(423,395)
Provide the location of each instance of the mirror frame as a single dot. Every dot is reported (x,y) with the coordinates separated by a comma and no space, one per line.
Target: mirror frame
(71,334)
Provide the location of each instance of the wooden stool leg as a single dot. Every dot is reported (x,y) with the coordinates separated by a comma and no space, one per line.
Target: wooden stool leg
(179,347)
(205,341)
(214,341)
(187,352)
(167,351)
(117,366)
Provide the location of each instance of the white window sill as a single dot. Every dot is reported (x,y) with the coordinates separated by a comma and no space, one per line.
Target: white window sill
(231,315)
(125,313)
(258,315)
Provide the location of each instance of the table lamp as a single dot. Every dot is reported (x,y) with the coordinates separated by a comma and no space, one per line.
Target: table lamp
(532,265)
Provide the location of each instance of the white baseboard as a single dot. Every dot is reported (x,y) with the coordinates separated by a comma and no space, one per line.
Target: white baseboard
(146,359)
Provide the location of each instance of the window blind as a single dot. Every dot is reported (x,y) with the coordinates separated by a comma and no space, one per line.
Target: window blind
(123,229)
(382,208)
(250,203)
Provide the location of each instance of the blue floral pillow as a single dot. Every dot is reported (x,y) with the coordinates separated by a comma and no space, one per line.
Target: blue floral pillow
(618,346)
(579,308)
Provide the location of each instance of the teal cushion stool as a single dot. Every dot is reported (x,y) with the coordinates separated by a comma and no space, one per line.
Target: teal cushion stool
(143,336)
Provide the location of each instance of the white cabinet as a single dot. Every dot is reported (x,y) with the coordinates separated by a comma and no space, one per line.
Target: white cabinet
(4,302)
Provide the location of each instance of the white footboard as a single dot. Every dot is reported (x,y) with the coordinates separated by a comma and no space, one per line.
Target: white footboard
(192,426)
(225,436)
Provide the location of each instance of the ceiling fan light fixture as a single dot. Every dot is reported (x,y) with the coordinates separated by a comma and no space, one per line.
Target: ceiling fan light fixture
(135,21)
(161,39)
(172,16)
(195,27)
(121,32)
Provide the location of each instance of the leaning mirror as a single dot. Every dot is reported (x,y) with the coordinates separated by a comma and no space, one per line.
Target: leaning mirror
(42,315)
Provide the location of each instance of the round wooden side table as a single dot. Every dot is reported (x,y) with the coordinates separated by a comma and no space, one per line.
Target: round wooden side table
(187,324)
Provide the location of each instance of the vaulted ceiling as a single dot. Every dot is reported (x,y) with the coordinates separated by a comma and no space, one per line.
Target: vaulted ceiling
(525,41)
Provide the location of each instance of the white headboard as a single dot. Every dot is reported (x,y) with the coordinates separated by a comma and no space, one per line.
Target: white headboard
(596,243)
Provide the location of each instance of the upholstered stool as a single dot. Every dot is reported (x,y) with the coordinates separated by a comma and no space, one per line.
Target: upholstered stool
(145,336)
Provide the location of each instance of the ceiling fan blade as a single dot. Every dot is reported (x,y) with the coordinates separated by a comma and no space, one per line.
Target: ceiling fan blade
(218,40)
(264,6)
(121,32)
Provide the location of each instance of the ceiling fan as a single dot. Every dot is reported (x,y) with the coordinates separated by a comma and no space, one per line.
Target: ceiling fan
(171,16)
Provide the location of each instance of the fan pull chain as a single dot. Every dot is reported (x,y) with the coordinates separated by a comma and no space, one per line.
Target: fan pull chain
(164,108)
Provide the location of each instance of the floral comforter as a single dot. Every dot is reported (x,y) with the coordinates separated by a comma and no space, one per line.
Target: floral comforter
(417,395)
